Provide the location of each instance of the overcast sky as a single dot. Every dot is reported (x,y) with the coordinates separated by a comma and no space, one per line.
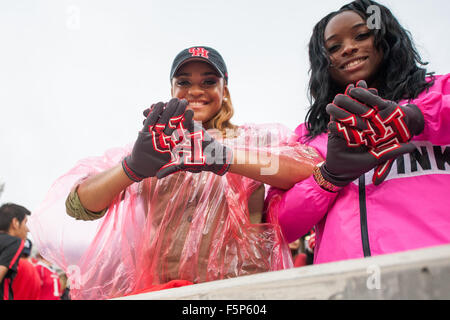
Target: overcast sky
(75,75)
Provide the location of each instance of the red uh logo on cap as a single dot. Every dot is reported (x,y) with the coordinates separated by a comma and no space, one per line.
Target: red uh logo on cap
(199,52)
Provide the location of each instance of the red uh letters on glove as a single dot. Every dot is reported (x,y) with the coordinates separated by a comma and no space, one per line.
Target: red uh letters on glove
(364,118)
(197,152)
(191,148)
(152,149)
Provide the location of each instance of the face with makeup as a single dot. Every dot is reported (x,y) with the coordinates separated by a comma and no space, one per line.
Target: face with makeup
(199,83)
(350,46)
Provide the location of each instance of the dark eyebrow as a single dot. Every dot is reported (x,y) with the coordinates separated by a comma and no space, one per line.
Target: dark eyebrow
(356,26)
(359,25)
(185,74)
(331,38)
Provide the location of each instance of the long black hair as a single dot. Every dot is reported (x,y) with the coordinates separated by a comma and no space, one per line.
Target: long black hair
(402,76)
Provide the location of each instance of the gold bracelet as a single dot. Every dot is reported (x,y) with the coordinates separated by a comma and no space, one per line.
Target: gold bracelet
(324,184)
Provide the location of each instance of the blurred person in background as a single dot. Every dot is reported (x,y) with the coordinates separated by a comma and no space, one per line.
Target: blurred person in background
(50,283)
(302,249)
(13,233)
(65,287)
(298,253)
(27,284)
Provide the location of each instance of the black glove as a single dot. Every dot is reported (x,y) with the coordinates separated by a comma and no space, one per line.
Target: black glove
(152,148)
(379,121)
(344,164)
(383,125)
(197,152)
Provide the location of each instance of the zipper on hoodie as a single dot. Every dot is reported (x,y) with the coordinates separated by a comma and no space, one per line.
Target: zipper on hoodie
(363,216)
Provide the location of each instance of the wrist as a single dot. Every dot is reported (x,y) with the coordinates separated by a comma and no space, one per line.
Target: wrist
(223,166)
(416,119)
(131,174)
(322,182)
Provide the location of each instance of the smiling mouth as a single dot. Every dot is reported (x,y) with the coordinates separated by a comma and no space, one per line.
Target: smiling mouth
(197,104)
(354,63)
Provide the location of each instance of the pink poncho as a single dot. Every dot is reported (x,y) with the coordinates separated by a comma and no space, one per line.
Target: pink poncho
(186,228)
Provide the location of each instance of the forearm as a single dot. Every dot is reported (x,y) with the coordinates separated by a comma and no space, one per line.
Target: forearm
(279,171)
(97,192)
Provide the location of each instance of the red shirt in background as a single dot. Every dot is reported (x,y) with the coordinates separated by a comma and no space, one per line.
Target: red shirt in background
(50,285)
(27,283)
(300,260)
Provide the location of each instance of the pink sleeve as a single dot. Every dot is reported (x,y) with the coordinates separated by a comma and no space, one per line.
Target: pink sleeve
(299,208)
(435,106)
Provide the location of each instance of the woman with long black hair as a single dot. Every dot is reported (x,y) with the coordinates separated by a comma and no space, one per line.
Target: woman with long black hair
(372,101)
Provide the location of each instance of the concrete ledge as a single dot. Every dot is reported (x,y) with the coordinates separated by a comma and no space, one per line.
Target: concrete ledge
(417,274)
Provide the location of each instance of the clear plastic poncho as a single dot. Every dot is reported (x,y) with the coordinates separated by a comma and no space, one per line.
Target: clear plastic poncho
(183,229)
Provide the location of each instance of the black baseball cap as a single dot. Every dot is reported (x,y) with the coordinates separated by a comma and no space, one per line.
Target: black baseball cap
(200,53)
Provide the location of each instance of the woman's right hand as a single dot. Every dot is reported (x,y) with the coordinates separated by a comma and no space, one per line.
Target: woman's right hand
(368,122)
(152,148)
(380,121)
(345,163)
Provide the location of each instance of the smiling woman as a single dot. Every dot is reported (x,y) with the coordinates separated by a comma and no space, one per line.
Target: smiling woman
(392,63)
(203,89)
(206,92)
(374,109)
(352,51)
(169,213)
